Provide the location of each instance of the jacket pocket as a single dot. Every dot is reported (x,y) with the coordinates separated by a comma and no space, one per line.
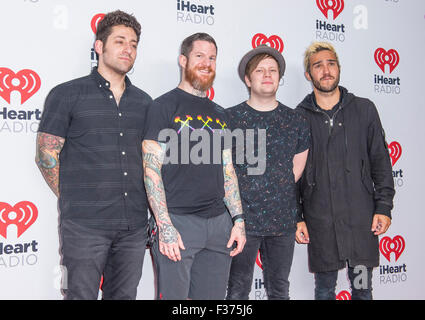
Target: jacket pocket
(307,182)
(366,179)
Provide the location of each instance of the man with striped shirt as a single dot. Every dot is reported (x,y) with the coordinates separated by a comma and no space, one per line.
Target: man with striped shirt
(89,152)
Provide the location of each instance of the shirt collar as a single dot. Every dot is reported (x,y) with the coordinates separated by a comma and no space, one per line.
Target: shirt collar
(102,82)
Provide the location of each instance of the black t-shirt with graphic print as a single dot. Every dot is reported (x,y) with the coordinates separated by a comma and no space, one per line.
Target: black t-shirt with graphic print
(269,199)
(192,172)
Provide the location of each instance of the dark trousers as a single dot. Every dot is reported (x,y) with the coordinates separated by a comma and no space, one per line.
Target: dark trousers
(276,256)
(88,253)
(361,284)
(203,270)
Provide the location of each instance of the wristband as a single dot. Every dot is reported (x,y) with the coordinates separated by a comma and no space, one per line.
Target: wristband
(238,218)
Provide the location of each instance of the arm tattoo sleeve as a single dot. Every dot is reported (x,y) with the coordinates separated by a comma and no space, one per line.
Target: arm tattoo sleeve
(232,197)
(47,158)
(153,155)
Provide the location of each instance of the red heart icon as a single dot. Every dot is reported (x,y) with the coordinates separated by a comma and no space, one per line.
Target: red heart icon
(258,260)
(210,93)
(336,6)
(395,151)
(388,245)
(383,57)
(273,41)
(26,82)
(95,21)
(343,295)
(23,215)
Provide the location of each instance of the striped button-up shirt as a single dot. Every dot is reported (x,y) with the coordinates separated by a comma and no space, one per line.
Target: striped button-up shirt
(101,176)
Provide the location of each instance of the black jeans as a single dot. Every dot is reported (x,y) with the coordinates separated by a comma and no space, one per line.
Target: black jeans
(360,281)
(88,253)
(276,255)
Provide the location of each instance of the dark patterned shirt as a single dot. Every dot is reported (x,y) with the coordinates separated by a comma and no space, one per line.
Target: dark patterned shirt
(269,199)
(101,176)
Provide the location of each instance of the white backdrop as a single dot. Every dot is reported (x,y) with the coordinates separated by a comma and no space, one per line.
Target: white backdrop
(46,42)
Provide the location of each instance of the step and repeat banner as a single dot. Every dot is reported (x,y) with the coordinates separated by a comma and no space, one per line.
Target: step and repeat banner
(46,42)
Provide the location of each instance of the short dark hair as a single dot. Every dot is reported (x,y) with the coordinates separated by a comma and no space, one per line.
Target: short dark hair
(255,61)
(116,18)
(187,44)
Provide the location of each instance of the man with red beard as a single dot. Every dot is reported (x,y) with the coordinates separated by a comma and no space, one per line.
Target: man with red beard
(194,244)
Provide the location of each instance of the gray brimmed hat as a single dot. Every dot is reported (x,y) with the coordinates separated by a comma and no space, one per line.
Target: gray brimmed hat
(261,49)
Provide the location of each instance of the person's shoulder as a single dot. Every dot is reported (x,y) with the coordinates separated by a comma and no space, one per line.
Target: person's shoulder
(235,110)
(73,84)
(141,94)
(167,97)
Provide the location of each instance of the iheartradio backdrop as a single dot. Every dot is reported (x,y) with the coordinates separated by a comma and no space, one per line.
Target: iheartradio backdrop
(46,42)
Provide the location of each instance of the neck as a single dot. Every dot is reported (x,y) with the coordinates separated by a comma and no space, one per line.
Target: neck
(115,79)
(186,86)
(327,100)
(262,103)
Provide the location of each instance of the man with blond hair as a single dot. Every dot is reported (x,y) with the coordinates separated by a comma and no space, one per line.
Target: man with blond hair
(347,187)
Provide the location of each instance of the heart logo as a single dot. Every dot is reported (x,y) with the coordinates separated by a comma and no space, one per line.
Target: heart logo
(258,261)
(273,41)
(343,295)
(383,57)
(95,21)
(388,245)
(23,215)
(210,93)
(26,82)
(395,151)
(336,6)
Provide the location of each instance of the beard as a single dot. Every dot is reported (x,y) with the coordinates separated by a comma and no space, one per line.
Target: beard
(115,65)
(326,89)
(201,83)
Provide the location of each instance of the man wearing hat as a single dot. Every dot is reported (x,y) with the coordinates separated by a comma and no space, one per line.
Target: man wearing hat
(269,198)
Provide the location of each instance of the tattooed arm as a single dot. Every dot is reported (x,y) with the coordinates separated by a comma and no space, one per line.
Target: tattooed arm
(47,158)
(170,241)
(233,202)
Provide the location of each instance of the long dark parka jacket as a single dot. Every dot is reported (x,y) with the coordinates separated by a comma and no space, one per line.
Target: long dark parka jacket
(347,179)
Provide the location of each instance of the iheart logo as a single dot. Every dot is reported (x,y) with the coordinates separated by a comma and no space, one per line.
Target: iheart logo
(273,41)
(95,21)
(388,245)
(210,93)
(336,6)
(383,57)
(395,151)
(258,261)
(343,295)
(26,82)
(23,215)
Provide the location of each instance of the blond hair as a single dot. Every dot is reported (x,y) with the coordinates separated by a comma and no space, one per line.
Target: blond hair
(314,48)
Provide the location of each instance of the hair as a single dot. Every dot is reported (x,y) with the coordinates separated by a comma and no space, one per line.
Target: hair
(187,44)
(314,48)
(116,18)
(255,60)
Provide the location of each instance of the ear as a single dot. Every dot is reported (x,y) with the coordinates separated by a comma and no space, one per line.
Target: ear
(307,75)
(98,47)
(247,81)
(182,61)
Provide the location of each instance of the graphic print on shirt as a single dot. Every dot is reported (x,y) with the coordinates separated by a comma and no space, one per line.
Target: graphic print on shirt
(204,123)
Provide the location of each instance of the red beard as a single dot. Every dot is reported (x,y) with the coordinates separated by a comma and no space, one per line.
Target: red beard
(201,83)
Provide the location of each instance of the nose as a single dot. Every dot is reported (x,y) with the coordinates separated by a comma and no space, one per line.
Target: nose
(206,62)
(128,48)
(267,73)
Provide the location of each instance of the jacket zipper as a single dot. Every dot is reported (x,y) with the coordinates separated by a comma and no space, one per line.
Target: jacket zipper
(331,120)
